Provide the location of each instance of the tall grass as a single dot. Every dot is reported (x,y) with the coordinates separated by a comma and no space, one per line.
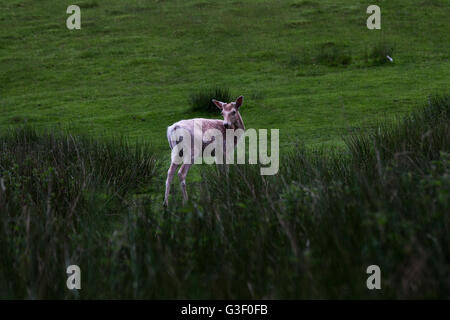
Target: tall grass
(380,51)
(58,191)
(332,54)
(309,232)
(313,230)
(202,99)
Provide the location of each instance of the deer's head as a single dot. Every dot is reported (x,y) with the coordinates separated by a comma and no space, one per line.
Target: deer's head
(230,112)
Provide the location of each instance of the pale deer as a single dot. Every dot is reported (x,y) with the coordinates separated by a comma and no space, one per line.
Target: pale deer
(231,120)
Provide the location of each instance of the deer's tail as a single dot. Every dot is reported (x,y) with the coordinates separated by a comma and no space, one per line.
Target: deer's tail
(170,131)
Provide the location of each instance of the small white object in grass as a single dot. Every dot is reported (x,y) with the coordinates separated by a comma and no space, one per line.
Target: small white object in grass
(390,59)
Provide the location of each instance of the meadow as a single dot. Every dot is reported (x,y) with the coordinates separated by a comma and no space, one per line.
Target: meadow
(133,65)
(364,168)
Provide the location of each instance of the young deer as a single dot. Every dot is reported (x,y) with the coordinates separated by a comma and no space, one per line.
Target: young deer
(197,127)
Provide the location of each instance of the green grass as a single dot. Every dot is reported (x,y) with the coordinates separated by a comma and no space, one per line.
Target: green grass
(309,232)
(83,149)
(132,67)
(201,101)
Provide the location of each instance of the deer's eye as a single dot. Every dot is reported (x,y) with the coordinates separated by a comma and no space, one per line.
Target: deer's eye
(233,112)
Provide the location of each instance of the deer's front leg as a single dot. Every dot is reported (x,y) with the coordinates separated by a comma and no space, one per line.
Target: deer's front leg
(172,169)
(182,176)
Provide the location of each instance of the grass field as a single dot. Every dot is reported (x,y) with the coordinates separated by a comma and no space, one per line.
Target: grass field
(309,232)
(364,168)
(131,68)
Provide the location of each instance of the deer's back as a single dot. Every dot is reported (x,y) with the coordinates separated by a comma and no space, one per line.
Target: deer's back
(200,125)
(196,126)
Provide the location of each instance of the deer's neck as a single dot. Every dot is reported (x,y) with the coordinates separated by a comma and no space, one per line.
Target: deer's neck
(240,123)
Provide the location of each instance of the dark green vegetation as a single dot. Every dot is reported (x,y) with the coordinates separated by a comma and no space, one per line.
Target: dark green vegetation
(309,232)
(202,100)
(380,51)
(333,55)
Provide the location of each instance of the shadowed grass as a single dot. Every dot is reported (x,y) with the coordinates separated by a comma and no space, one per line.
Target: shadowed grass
(201,101)
(332,54)
(380,51)
(308,232)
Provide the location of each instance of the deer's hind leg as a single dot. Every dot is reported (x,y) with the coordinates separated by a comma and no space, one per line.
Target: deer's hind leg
(182,176)
(172,169)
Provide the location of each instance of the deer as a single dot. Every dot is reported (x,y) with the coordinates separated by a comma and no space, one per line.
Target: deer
(231,120)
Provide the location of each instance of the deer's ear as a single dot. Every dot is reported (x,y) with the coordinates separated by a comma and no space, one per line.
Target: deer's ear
(219,104)
(239,101)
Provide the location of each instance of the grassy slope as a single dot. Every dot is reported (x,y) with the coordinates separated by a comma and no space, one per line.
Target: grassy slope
(132,66)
